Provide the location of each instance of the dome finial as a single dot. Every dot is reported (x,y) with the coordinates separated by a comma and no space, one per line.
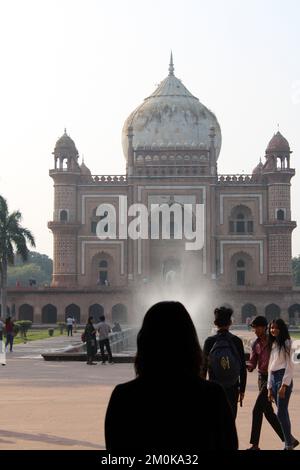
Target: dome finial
(65,131)
(171,65)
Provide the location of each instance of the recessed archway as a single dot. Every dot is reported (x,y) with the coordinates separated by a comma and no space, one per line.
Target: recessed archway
(272,311)
(294,314)
(26,312)
(248,311)
(95,311)
(74,311)
(119,313)
(49,314)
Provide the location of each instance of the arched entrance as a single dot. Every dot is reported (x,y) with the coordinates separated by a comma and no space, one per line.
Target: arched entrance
(26,312)
(248,311)
(74,311)
(171,270)
(272,312)
(119,313)
(96,310)
(49,314)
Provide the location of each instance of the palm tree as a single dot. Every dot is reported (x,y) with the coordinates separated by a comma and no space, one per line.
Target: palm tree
(13,239)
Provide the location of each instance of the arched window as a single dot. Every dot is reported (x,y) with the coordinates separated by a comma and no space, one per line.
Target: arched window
(280,214)
(103,273)
(241,220)
(240,272)
(63,216)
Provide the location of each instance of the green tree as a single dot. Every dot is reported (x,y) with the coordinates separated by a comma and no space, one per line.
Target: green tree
(296,270)
(36,258)
(37,266)
(13,239)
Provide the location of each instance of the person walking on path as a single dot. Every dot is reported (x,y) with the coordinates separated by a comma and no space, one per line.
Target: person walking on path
(280,376)
(91,344)
(1,329)
(70,322)
(259,357)
(2,349)
(104,330)
(168,408)
(224,359)
(9,328)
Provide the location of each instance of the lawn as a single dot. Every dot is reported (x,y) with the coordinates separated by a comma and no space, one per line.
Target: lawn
(295,335)
(33,335)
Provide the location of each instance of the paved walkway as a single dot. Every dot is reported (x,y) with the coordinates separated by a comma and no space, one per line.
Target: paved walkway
(61,405)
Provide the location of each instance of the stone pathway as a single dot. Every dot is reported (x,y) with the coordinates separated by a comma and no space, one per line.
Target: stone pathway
(62,405)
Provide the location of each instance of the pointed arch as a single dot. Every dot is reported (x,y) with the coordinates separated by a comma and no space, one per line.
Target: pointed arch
(74,311)
(49,314)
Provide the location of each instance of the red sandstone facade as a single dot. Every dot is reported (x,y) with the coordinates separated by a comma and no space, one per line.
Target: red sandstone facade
(246,258)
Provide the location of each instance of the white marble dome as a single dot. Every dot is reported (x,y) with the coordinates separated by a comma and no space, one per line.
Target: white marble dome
(171,117)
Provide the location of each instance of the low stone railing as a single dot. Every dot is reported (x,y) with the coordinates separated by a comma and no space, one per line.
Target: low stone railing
(109,179)
(237,179)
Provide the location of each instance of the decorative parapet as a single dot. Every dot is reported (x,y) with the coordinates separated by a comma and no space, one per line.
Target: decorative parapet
(237,179)
(109,179)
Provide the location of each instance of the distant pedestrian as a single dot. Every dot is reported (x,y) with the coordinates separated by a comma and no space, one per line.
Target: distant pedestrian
(70,322)
(1,329)
(224,359)
(2,350)
(90,339)
(280,376)
(9,328)
(116,328)
(104,330)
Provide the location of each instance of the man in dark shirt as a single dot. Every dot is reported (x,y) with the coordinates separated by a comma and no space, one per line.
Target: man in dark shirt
(235,392)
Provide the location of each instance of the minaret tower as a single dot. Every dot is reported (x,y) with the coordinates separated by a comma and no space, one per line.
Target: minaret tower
(278,174)
(65,225)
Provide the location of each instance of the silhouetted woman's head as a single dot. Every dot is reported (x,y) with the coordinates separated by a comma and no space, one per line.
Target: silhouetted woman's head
(167,344)
(90,320)
(278,332)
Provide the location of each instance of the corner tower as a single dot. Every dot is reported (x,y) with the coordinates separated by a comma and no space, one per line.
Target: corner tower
(277,173)
(65,225)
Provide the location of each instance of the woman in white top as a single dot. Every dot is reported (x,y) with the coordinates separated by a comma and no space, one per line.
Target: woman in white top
(280,376)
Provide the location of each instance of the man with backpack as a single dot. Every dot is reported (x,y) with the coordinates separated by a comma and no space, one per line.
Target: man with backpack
(224,359)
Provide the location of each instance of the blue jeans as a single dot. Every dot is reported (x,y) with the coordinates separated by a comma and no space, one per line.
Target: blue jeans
(282,405)
(9,340)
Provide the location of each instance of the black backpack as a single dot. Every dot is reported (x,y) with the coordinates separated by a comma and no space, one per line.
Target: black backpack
(224,361)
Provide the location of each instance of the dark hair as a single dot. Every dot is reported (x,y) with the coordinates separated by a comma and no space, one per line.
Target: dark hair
(90,319)
(259,321)
(223,316)
(282,336)
(167,343)
(102,318)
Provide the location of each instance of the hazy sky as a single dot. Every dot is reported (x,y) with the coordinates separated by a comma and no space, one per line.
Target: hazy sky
(86,64)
